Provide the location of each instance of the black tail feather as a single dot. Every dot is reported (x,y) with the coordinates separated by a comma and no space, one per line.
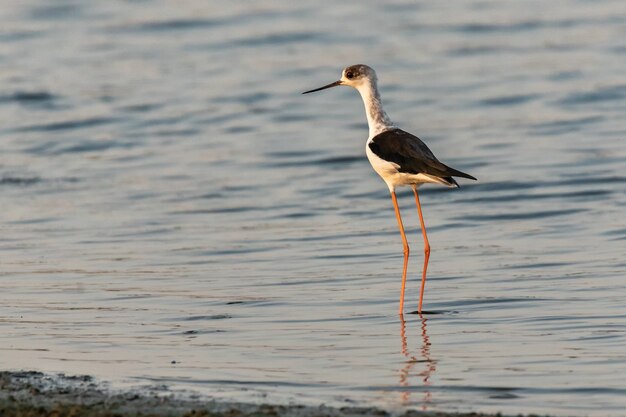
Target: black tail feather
(456,173)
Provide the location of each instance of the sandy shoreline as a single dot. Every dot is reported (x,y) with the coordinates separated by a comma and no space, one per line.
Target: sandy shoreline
(32,394)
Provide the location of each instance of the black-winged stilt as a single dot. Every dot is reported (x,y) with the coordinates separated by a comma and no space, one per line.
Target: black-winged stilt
(397,156)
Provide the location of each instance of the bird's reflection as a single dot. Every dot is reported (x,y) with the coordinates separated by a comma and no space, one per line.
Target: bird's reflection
(430,365)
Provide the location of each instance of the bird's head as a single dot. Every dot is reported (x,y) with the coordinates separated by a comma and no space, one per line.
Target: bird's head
(354,76)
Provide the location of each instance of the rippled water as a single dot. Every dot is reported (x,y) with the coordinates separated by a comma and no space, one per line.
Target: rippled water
(174,212)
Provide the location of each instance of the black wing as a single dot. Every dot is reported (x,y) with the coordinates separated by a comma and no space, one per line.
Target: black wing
(411,154)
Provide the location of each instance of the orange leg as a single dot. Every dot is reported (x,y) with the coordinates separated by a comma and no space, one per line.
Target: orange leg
(426,249)
(405,244)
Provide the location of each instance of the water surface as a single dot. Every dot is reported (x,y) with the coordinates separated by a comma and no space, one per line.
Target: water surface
(175,213)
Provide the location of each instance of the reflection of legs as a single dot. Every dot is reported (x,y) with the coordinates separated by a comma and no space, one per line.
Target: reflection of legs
(411,361)
(431,366)
(405,244)
(426,248)
(405,348)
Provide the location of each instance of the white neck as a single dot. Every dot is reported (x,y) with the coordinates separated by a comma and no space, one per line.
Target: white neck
(377,119)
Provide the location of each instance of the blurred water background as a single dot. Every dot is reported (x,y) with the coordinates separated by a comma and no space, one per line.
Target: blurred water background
(174,213)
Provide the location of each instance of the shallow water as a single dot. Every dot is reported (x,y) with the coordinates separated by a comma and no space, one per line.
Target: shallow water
(175,213)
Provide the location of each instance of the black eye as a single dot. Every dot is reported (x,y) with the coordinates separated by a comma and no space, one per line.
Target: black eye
(349,75)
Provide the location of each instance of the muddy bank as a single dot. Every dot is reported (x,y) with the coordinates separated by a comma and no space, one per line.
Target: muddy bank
(32,394)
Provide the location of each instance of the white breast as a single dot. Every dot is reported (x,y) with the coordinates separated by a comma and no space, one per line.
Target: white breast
(387,170)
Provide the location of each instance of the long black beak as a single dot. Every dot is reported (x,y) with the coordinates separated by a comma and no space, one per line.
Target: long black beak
(335,84)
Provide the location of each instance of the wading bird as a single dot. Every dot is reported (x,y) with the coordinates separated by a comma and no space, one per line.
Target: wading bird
(397,156)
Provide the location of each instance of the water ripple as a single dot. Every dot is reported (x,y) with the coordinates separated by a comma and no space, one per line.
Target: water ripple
(173,25)
(26,97)
(56,148)
(609,93)
(557,127)
(508,100)
(524,215)
(66,125)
